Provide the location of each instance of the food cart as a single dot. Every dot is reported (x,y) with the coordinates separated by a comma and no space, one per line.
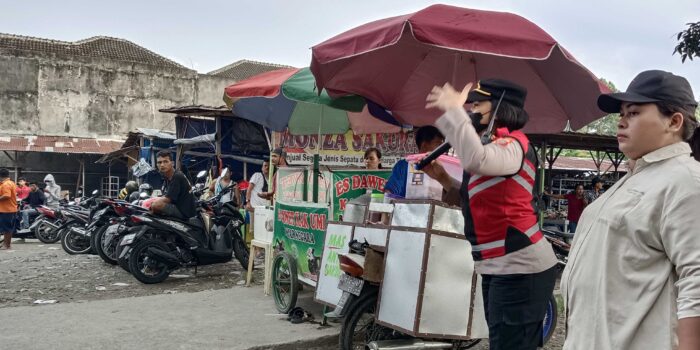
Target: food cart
(300,239)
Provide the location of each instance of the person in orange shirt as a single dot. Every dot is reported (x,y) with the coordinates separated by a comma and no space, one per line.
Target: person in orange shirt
(8,207)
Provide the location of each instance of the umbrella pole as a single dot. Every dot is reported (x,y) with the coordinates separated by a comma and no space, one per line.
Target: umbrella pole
(317,156)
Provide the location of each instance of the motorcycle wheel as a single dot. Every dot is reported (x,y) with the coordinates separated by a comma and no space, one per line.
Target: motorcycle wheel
(73,243)
(105,249)
(550,319)
(240,249)
(146,269)
(284,282)
(47,234)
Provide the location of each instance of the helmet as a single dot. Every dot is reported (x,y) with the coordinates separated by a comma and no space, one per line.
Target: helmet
(147,188)
(131,186)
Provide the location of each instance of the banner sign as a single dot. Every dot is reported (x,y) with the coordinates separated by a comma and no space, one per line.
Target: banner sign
(300,230)
(350,184)
(290,184)
(337,239)
(345,149)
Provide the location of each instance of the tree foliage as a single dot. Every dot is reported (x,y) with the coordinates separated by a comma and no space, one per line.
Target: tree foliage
(606,125)
(688,42)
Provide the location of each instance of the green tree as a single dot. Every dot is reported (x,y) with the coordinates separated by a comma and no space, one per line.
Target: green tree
(606,125)
(688,42)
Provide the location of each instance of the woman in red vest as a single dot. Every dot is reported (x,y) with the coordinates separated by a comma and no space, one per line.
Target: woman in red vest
(516,263)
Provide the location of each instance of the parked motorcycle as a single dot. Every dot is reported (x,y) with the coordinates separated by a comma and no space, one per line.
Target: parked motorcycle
(75,238)
(46,226)
(156,245)
(561,243)
(109,220)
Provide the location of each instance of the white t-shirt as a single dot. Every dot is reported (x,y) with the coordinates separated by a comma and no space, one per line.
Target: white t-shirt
(259,181)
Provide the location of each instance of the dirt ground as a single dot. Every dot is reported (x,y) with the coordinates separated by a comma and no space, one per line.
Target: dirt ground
(35,271)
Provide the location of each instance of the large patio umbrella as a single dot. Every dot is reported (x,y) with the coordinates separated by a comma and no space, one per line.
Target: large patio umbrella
(396,61)
(288,99)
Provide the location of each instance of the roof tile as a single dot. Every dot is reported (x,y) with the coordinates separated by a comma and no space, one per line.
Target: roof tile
(98,46)
(244,69)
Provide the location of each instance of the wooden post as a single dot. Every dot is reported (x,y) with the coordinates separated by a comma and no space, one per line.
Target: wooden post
(80,172)
(14,161)
(543,150)
(217,140)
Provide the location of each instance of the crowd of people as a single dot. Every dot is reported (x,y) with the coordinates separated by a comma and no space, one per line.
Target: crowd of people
(19,200)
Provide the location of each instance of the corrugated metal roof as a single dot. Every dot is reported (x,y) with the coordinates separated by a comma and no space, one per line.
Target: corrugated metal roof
(161,134)
(585,164)
(57,144)
(98,46)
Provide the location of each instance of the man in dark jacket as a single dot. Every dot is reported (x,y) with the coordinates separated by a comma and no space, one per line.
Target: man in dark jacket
(35,199)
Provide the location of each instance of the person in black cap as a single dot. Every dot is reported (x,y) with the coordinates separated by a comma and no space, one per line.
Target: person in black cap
(518,266)
(278,157)
(633,276)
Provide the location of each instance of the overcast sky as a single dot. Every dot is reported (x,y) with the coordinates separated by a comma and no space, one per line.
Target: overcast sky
(614,39)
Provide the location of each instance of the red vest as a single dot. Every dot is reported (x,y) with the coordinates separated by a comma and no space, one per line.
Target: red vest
(503,217)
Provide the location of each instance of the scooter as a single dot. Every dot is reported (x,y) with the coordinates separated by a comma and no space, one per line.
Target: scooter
(156,245)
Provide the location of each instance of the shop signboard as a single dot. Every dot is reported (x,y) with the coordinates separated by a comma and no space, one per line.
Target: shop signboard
(300,230)
(350,184)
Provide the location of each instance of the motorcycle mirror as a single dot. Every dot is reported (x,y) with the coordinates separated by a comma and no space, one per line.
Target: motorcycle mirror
(201,174)
(95,192)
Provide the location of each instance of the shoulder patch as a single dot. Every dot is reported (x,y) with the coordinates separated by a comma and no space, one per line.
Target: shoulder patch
(505,141)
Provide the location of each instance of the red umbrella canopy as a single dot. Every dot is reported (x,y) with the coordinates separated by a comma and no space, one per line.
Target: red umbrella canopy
(396,61)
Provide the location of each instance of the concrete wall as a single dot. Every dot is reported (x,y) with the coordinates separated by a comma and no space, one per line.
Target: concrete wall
(210,90)
(85,97)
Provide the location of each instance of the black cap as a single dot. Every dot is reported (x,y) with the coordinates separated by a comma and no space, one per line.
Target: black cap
(492,89)
(648,87)
(280,152)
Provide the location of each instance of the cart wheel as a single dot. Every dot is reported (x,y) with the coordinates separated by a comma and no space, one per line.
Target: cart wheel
(285,285)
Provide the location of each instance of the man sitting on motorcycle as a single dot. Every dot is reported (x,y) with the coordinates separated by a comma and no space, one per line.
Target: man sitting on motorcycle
(34,200)
(177,200)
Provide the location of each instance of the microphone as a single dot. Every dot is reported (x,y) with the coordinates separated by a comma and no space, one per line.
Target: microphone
(442,149)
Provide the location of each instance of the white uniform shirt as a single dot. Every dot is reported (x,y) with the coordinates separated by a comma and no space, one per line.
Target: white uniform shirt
(634,267)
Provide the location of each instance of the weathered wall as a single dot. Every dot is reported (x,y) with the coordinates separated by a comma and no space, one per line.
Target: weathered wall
(19,93)
(85,97)
(210,90)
